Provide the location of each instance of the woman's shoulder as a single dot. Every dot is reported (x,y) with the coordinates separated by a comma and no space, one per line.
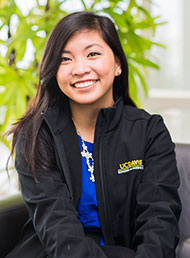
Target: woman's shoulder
(152,126)
(134,113)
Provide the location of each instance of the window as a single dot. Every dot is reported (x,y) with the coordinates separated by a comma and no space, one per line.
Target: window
(169,88)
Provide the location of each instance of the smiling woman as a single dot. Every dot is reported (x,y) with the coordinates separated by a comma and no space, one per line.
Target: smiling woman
(86,74)
(98,175)
(89,67)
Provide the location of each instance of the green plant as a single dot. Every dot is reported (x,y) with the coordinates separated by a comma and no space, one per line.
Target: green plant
(18,83)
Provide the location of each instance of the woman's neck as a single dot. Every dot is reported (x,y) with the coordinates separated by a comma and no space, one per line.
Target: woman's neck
(84,118)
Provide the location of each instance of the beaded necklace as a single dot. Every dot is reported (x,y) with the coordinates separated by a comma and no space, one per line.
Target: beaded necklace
(85,153)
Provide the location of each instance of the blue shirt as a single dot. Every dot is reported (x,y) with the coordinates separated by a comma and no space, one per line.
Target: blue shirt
(87,207)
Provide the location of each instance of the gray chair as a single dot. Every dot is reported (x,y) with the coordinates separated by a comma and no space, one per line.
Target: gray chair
(183,163)
(13,212)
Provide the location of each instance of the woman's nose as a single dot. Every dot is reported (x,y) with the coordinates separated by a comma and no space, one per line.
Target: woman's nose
(80,67)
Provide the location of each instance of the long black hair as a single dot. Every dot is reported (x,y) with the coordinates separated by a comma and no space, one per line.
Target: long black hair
(48,90)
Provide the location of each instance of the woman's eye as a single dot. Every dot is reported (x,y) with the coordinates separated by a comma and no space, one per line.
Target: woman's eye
(94,54)
(65,59)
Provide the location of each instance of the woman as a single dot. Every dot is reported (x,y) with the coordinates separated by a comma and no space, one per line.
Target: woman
(97,174)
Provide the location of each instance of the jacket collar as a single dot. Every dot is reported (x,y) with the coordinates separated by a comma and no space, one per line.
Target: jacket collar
(59,115)
(111,116)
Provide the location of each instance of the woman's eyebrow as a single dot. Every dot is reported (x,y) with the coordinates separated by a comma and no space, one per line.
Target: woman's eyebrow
(87,47)
(92,45)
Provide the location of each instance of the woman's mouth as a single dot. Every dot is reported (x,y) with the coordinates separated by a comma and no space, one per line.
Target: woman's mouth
(84,84)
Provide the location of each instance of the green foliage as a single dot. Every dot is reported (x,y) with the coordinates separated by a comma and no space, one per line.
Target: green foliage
(18,84)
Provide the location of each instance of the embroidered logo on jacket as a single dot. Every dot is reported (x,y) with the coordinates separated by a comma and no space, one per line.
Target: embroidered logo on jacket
(130,165)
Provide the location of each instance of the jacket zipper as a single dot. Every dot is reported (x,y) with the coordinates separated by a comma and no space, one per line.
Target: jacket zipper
(106,218)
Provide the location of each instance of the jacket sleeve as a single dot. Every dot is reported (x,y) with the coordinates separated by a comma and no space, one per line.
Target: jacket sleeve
(158,205)
(53,214)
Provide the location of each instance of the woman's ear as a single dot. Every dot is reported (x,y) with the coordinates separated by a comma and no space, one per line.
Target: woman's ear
(118,69)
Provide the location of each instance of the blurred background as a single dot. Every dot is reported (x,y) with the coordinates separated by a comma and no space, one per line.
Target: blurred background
(155,38)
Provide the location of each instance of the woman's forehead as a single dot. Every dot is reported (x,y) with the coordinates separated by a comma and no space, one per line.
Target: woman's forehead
(87,38)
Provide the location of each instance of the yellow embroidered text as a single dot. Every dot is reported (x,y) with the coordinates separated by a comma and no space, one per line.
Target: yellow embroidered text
(130,165)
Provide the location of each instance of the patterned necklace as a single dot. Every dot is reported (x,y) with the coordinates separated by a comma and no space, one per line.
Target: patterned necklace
(85,153)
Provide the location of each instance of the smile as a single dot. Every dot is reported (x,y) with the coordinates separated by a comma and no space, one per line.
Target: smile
(84,84)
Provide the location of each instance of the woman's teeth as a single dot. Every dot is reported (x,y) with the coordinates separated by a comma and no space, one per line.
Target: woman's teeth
(83,84)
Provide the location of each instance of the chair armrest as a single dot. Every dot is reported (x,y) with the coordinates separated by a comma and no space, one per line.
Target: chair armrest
(183,250)
(13,215)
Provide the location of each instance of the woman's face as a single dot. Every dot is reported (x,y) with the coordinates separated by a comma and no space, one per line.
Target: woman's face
(88,69)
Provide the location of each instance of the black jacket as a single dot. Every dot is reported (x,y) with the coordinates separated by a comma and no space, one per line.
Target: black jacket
(136,184)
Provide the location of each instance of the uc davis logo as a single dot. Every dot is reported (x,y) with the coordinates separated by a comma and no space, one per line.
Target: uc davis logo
(130,165)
